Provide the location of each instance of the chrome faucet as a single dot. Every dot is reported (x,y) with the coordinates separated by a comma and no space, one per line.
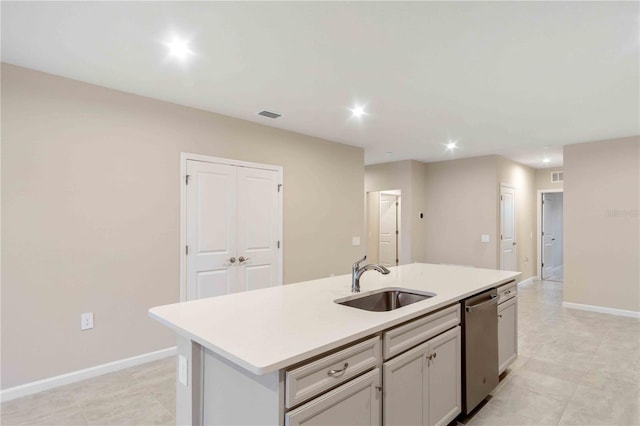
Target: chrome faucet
(357,271)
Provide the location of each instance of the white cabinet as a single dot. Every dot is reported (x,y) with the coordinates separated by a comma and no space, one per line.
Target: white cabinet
(422,386)
(353,404)
(445,380)
(406,387)
(507,333)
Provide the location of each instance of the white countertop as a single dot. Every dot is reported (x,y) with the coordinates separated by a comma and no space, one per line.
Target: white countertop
(269,329)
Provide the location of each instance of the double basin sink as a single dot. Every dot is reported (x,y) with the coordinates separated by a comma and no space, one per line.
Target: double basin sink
(386,299)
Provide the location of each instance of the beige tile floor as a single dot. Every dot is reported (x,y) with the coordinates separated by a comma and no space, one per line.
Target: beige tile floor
(574,368)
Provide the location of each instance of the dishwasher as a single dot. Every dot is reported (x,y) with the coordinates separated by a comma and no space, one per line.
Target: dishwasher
(479,348)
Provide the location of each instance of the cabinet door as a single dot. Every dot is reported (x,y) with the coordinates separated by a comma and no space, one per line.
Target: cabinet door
(353,404)
(444,377)
(405,387)
(507,333)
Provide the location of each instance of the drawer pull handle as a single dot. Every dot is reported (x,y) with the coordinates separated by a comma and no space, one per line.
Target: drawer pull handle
(337,373)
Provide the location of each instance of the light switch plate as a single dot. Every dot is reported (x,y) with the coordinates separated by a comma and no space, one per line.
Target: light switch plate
(182,370)
(355,241)
(484,238)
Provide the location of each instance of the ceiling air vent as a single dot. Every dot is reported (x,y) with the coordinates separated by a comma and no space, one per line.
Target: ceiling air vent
(557,176)
(269,114)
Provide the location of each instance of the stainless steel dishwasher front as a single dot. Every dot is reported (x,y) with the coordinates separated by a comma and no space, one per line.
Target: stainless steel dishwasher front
(480,348)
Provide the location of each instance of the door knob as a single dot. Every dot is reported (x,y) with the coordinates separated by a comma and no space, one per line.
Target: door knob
(243,259)
(232,260)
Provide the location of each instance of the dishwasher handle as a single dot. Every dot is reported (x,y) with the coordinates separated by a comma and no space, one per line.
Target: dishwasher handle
(492,299)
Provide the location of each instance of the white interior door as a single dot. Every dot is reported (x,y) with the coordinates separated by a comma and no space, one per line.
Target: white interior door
(211,223)
(233,224)
(258,228)
(388,240)
(507,228)
(548,236)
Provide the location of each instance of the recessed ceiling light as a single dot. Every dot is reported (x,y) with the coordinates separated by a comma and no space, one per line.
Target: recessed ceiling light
(546,160)
(358,111)
(178,48)
(388,152)
(451,145)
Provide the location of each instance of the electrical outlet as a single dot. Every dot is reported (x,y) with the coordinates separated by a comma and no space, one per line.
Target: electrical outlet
(355,241)
(86,321)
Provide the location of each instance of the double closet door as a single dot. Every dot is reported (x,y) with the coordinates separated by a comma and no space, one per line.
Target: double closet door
(233,228)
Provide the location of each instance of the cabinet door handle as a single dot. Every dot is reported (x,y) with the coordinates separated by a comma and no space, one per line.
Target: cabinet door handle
(337,373)
(499,315)
(232,260)
(243,259)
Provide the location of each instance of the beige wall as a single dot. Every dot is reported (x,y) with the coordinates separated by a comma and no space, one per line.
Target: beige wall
(90,204)
(403,175)
(523,179)
(419,202)
(601,223)
(460,206)
(543,178)
(373,226)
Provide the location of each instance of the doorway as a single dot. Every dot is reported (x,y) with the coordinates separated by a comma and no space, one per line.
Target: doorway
(508,259)
(550,235)
(230,226)
(383,227)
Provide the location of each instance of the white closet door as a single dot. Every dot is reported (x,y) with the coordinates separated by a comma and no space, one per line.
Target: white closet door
(258,221)
(508,260)
(211,225)
(388,239)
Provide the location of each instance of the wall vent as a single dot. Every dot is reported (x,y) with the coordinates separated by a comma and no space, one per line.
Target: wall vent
(269,114)
(557,176)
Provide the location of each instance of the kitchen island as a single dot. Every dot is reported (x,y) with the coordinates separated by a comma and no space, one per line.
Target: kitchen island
(243,357)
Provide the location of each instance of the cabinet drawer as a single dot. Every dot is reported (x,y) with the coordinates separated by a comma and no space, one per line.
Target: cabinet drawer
(406,336)
(507,291)
(354,403)
(315,377)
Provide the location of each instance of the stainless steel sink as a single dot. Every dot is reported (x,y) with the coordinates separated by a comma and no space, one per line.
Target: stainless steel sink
(385,299)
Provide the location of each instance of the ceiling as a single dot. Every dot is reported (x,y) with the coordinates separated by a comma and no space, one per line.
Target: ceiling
(519,79)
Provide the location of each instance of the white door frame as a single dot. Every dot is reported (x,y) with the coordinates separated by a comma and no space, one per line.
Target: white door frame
(184,157)
(539,228)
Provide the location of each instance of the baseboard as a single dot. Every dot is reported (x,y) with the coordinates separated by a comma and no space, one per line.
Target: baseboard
(601,309)
(527,281)
(87,373)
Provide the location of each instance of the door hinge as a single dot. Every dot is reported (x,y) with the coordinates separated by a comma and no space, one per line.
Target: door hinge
(500,236)
(186,179)
(379,388)
(397,232)
(186,250)
(543,233)
(279,187)
(501,198)
(278,243)
(543,264)
(397,204)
